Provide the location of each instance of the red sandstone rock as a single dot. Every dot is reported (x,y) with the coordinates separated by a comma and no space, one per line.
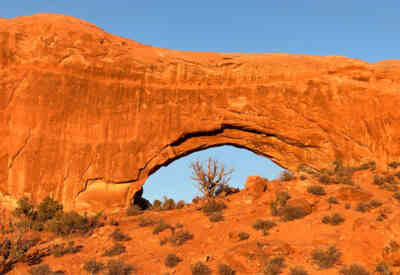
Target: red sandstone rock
(86,116)
(255,186)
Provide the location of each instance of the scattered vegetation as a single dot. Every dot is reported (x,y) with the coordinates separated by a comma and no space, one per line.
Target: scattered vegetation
(274,266)
(44,269)
(264,225)
(282,197)
(168,204)
(397,196)
(118,267)
(172,260)
(383,269)
(60,250)
(118,236)
(316,190)
(333,200)
(93,267)
(362,207)
(116,249)
(146,221)
(335,219)
(216,217)
(325,259)
(224,269)
(212,206)
(354,269)
(179,237)
(180,204)
(161,226)
(298,270)
(286,175)
(209,180)
(200,269)
(243,236)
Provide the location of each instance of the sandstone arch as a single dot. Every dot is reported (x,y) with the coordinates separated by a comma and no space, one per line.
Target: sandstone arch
(86,116)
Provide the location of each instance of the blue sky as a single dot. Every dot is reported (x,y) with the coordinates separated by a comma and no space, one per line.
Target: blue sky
(368,30)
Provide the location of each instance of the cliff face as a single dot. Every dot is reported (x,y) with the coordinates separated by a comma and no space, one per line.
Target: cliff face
(86,116)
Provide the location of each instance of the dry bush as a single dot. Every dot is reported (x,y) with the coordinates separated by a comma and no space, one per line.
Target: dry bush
(263,225)
(216,217)
(180,204)
(118,236)
(133,210)
(60,250)
(146,221)
(298,270)
(168,204)
(290,213)
(224,269)
(161,226)
(172,260)
(118,267)
(200,269)
(207,181)
(274,266)
(286,175)
(333,200)
(180,237)
(93,267)
(316,190)
(282,197)
(383,269)
(117,249)
(335,219)
(243,236)
(156,205)
(44,269)
(212,206)
(354,269)
(325,259)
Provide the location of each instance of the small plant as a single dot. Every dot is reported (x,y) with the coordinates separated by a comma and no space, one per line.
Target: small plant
(298,270)
(375,204)
(60,250)
(133,210)
(325,259)
(397,196)
(263,225)
(216,217)
(161,226)
(168,204)
(362,207)
(378,180)
(381,217)
(146,221)
(333,200)
(274,266)
(335,219)
(118,236)
(44,269)
(393,164)
(290,213)
(316,190)
(213,206)
(383,269)
(324,179)
(354,269)
(180,204)
(286,175)
(172,260)
(200,269)
(273,205)
(347,206)
(48,209)
(24,207)
(180,237)
(118,267)
(117,249)
(224,269)
(93,267)
(282,197)
(243,236)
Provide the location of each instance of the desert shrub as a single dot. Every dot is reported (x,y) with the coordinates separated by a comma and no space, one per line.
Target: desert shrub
(224,269)
(347,206)
(303,177)
(397,196)
(332,200)
(168,204)
(200,269)
(324,179)
(180,237)
(378,180)
(243,236)
(274,266)
(316,190)
(383,269)
(381,217)
(335,219)
(180,204)
(375,204)
(114,222)
(172,260)
(208,181)
(362,207)
(44,269)
(93,267)
(397,175)
(393,164)
(325,259)
(389,187)
(286,175)
(60,250)
(118,236)
(298,270)
(273,206)
(290,213)
(146,221)
(196,199)
(133,210)
(354,269)
(118,267)
(161,226)
(48,209)
(71,222)
(156,205)
(263,224)
(212,206)
(24,207)
(115,250)
(216,217)
(282,197)
(390,179)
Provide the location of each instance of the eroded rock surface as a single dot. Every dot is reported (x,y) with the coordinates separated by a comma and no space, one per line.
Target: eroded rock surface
(86,116)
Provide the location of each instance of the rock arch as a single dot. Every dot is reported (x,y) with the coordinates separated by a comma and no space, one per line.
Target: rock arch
(86,116)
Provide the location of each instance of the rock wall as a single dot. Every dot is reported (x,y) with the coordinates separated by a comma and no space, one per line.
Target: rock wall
(86,116)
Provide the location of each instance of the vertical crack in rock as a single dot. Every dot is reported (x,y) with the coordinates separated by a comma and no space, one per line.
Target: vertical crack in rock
(20,150)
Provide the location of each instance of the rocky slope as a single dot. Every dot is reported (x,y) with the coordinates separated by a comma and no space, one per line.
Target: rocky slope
(86,116)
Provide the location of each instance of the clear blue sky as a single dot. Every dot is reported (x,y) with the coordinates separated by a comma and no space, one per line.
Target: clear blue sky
(369,30)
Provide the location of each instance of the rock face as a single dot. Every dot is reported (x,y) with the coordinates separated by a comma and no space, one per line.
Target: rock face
(86,116)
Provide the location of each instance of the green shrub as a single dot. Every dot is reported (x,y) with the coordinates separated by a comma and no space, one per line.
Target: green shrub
(290,213)
(71,222)
(212,206)
(216,217)
(335,219)
(383,269)
(161,226)
(133,210)
(118,267)
(115,250)
(274,266)
(243,236)
(224,269)
(118,236)
(354,269)
(24,207)
(180,237)
(172,260)
(93,267)
(316,190)
(325,259)
(298,270)
(200,269)
(48,209)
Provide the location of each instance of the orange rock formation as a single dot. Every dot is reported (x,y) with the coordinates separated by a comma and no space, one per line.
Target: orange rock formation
(86,116)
